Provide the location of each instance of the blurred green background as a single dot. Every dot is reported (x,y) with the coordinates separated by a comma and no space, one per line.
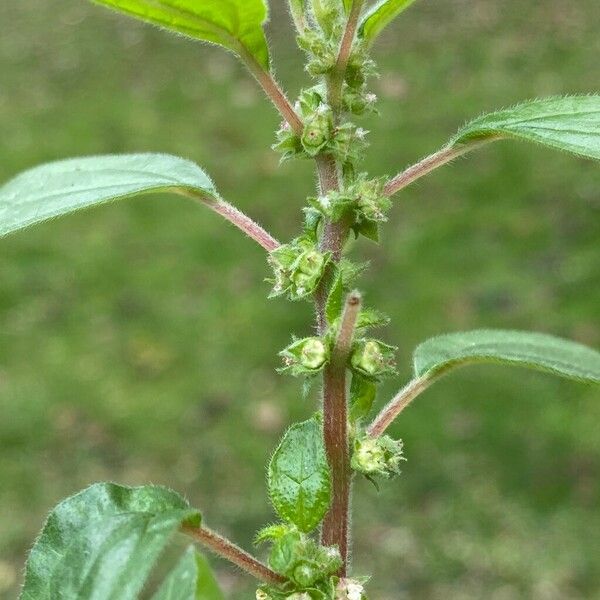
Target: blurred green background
(137,344)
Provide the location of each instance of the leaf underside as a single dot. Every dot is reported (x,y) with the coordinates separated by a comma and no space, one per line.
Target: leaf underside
(234,24)
(62,187)
(570,123)
(299,477)
(101,543)
(534,350)
(379,16)
(191,579)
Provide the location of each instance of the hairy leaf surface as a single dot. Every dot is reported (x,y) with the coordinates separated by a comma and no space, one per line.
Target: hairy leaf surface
(101,543)
(66,186)
(571,124)
(534,350)
(191,579)
(379,16)
(235,24)
(299,477)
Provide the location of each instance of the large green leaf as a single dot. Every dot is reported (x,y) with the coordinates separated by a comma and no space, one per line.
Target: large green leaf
(62,187)
(535,350)
(571,124)
(299,477)
(234,24)
(379,16)
(101,543)
(191,579)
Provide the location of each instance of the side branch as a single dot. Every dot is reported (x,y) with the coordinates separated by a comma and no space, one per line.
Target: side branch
(402,399)
(428,164)
(246,224)
(335,530)
(235,217)
(234,554)
(339,71)
(273,91)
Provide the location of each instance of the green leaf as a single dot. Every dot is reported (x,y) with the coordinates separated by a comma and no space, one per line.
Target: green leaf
(379,16)
(535,350)
(235,24)
(101,543)
(571,124)
(299,477)
(335,300)
(63,187)
(362,396)
(191,579)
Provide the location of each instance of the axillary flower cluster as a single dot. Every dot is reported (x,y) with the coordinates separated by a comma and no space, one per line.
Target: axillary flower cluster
(304,268)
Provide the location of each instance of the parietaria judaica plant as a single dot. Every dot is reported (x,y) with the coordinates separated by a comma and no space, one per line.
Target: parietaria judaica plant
(311,472)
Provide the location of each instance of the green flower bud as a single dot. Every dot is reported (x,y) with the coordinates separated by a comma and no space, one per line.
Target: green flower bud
(317,130)
(306,356)
(372,359)
(378,456)
(307,272)
(298,267)
(305,575)
(328,14)
(288,143)
(349,143)
(329,558)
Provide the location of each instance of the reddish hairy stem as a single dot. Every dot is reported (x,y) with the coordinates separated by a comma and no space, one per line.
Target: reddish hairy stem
(397,404)
(273,91)
(336,80)
(235,217)
(335,530)
(234,554)
(246,224)
(428,164)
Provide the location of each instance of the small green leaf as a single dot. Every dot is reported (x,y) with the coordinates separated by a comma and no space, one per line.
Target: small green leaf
(191,579)
(63,187)
(102,542)
(571,124)
(379,16)
(362,396)
(235,24)
(535,350)
(335,300)
(299,477)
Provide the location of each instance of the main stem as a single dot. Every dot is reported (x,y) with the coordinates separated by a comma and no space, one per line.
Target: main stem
(335,530)
(335,426)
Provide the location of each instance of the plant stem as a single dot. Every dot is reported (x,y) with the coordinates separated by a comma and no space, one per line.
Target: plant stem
(234,554)
(247,225)
(272,90)
(335,530)
(398,403)
(336,79)
(428,164)
(235,217)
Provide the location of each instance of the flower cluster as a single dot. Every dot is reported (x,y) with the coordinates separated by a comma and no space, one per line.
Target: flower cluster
(321,134)
(364,198)
(372,359)
(381,456)
(308,566)
(298,268)
(305,357)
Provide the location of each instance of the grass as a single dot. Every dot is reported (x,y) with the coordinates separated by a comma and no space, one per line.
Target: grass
(136,339)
